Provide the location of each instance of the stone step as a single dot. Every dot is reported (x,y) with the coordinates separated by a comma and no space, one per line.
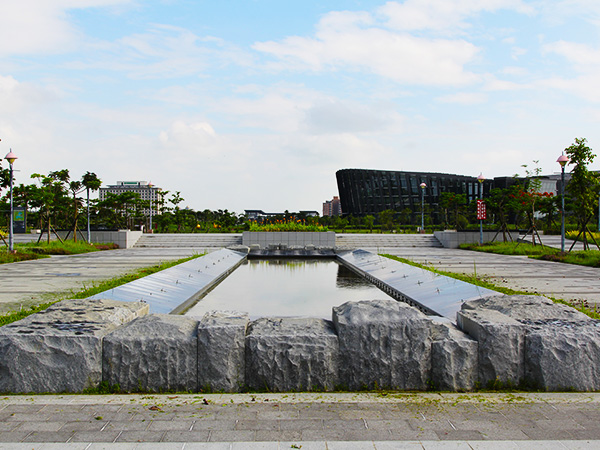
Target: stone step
(342,240)
(188,240)
(386,240)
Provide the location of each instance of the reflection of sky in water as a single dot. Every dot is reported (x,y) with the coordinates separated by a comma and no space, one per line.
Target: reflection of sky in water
(287,287)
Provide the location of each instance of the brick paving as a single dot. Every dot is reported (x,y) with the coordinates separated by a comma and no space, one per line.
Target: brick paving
(307,420)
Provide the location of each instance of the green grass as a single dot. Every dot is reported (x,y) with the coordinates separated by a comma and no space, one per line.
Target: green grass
(95,288)
(590,258)
(511,248)
(582,306)
(34,250)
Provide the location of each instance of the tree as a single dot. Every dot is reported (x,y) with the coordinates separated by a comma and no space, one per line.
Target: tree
(582,189)
(529,197)
(499,202)
(51,197)
(455,204)
(368,220)
(91,182)
(386,218)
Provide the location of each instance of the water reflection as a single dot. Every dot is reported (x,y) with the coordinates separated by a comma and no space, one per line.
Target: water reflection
(287,287)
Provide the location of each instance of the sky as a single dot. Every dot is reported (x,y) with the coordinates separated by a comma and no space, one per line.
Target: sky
(255,104)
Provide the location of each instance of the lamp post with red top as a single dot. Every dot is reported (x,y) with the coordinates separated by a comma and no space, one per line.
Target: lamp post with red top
(11,157)
(562,160)
(480,208)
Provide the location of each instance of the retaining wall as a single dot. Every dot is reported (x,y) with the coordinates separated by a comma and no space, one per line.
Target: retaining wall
(265,239)
(123,238)
(452,239)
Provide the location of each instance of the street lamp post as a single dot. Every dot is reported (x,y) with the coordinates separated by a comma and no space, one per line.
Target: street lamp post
(481,179)
(562,160)
(150,198)
(11,157)
(423,186)
(89,230)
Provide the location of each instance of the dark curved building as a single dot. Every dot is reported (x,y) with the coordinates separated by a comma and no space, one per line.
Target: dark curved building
(365,191)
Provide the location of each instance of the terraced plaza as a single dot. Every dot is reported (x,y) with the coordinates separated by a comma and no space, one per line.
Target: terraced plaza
(309,420)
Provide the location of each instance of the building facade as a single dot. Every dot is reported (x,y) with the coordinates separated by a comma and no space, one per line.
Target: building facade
(332,207)
(147,191)
(369,192)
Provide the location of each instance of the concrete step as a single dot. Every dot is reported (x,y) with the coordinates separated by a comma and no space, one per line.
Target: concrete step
(341,240)
(188,240)
(386,240)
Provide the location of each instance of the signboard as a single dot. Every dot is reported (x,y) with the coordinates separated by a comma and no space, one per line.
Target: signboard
(18,220)
(481,213)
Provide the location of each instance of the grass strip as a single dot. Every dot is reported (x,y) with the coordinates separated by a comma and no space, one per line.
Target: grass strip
(33,250)
(95,288)
(589,258)
(582,306)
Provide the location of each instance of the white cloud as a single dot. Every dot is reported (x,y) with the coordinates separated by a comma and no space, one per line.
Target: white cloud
(198,138)
(163,51)
(353,44)
(42,26)
(464,98)
(331,116)
(582,55)
(412,15)
(585,60)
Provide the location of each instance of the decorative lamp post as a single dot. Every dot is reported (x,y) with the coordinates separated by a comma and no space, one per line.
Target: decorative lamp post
(11,157)
(89,230)
(423,186)
(562,160)
(480,207)
(150,198)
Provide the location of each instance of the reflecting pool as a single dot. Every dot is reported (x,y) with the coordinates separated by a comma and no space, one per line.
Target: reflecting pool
(287,287)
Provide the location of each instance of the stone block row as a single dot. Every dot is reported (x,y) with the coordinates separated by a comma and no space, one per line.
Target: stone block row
(78,343)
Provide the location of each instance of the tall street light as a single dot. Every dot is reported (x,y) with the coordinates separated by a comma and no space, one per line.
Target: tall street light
(150,198)
(423,186)
(562,160)
(481,207)
(11,157)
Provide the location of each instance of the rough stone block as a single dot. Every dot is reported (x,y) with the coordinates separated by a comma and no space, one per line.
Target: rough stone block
(291,354)
(522,338)
(501,345)
(155,353)
(221,351)
(563,355)
(383,343)
(60,349)
(527,308)
(454,358)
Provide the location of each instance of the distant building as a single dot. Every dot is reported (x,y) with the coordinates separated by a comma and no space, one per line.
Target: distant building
(144,189)
(368,192)
(332,207)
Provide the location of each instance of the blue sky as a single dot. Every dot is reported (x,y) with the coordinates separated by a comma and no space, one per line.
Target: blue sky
(255,104)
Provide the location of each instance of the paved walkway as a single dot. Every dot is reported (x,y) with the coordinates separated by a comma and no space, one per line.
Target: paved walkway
(307,421)
(32,282)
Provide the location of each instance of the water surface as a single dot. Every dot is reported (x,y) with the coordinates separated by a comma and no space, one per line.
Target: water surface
(287,287)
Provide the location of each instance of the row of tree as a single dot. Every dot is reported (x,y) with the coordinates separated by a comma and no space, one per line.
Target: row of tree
(54,201)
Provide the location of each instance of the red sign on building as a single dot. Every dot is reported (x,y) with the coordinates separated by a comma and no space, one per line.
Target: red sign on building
(481,214)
